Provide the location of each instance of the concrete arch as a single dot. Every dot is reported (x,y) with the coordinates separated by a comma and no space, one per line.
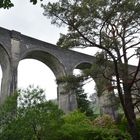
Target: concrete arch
(57,68)
(48,59)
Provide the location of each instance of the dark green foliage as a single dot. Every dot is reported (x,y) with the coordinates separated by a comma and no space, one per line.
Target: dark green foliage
(44,121)
(6,4)
(106,134)
(34,1)
(123,126)
(71,79)
(8,111)
(40,122)
(34,119)
(82,102)
(78,127)
(75,127)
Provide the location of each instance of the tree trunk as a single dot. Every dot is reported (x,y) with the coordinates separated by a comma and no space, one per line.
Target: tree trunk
(130,116)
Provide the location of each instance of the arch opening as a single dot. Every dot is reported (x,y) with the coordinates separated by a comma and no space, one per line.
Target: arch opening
(34,72)
(103,95)
(51,63)
(83,65)
(48,59)
(89,83)
(89,86)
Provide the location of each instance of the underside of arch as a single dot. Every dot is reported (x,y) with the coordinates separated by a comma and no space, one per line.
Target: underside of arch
(83,65)
(48,59)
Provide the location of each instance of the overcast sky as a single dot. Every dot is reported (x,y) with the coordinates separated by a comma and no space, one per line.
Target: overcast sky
(29,20)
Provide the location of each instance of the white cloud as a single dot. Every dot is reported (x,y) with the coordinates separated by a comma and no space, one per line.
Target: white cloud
(29,20)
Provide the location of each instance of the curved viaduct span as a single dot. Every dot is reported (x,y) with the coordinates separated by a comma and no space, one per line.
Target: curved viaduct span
(15,47)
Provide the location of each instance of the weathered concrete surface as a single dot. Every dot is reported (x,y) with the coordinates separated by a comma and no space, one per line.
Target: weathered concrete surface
(15,47)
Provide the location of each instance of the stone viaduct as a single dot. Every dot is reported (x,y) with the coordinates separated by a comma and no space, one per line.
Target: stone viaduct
(15,47)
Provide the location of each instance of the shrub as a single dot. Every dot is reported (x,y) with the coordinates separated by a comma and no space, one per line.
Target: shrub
(78,127)
(104,121)
(99,133)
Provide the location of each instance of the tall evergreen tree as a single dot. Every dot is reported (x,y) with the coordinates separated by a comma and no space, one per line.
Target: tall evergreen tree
(112,26)
(74,85)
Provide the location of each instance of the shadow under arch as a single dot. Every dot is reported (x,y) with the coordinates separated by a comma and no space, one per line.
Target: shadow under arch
(83,65)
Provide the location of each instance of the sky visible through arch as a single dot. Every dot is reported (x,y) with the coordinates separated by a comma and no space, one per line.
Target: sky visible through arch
(36,73)
(29,20)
